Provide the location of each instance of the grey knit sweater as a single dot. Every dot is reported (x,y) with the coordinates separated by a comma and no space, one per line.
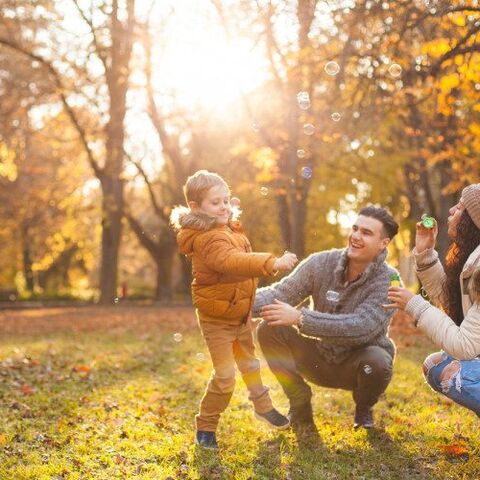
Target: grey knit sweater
(358,318)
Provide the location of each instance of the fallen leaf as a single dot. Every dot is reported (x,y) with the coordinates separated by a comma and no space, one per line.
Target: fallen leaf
(182,368)
(82,368)
(27,389)
(109,406)
(456,450)
(156,396)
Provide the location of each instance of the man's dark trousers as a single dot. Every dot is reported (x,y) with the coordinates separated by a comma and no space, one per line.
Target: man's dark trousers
(293,357)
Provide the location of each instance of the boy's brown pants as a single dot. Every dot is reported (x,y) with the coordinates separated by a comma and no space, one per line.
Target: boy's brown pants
(229,344)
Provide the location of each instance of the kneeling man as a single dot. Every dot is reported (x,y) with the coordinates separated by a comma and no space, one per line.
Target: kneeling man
(342,342)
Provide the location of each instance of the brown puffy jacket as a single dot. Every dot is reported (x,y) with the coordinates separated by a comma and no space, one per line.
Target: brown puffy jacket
(223,264)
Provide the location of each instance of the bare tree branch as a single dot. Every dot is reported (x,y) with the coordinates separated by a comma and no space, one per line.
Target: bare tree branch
(60,90)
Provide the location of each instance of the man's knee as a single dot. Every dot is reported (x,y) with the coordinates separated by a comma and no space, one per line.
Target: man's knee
(376,362)
(263,332)
(267,334)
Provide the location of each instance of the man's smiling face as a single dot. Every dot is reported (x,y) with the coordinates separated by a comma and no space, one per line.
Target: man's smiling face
(367,239)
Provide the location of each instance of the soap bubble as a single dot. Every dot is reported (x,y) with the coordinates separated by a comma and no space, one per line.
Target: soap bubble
(264,191)
(301,153)
(178,337)
(395,70)
(307,172)
(336,116)
(200,356)
(304,104)
(308,129)
(355,144)
(303,100)
(332,68)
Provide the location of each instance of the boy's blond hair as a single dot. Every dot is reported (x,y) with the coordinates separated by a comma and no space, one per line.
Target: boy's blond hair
(474,286)
(195,190)
(198,184)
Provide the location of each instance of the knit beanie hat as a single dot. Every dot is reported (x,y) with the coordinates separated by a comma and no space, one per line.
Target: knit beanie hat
(471,200)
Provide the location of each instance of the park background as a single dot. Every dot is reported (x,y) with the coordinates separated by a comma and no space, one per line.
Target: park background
(310,110)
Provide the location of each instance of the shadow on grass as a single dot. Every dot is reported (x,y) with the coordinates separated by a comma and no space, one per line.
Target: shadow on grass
(208,464)
(309,457)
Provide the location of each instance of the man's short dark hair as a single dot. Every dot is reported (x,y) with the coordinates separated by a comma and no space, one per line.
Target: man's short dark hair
(390,226)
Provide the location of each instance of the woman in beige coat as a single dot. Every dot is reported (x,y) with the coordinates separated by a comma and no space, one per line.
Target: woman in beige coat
(455,325)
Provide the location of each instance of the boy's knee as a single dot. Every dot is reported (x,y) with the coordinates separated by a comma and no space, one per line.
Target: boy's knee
(223,382)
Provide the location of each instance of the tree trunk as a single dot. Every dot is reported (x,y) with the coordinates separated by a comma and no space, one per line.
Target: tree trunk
(112,208)
(110,177)
(27,264)
(163,290)
(298,226)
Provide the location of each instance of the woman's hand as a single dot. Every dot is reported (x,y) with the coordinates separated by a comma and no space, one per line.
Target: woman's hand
(398,298)
(425,237)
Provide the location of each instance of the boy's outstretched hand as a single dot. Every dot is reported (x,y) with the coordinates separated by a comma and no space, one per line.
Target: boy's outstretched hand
(286,262)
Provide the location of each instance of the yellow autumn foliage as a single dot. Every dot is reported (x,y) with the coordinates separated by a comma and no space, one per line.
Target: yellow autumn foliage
(8,169)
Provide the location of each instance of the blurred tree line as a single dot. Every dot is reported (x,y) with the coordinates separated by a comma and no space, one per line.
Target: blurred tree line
(362,102)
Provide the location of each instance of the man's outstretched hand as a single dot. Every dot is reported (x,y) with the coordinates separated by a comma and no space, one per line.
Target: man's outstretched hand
(280,313)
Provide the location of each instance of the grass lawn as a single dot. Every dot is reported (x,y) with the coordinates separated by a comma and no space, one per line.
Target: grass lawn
(106,393)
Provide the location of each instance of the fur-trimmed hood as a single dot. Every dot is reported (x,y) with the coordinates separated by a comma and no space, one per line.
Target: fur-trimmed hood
(183,217)
(190,224)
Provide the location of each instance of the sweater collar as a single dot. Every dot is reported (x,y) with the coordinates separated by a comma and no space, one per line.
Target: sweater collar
(373,265)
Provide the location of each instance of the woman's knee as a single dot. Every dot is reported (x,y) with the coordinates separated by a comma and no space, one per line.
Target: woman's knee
(431,361)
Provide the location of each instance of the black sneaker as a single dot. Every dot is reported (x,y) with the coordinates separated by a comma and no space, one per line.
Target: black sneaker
(274,418)
(206,440)
(363,417)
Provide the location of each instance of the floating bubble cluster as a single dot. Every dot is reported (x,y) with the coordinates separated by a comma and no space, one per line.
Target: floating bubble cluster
(301,153)
(336,116)
(264,191)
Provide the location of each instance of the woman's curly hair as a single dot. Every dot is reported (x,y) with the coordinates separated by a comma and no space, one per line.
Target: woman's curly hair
(466,241)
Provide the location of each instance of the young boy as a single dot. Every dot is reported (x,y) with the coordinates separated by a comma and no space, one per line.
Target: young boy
(223,290)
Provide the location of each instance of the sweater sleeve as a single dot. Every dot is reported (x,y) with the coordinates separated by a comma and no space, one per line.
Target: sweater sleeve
(292,289)
(222,256)
(361,326)
(431,274)
(461,342)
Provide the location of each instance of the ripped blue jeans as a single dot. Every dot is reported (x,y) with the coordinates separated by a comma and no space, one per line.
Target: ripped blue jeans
(458,380)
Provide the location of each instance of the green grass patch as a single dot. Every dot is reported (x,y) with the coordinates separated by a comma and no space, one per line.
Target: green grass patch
(120,403)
